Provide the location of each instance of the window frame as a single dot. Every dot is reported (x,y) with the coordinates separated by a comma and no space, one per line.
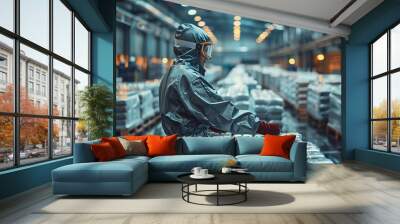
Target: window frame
(388,74)
(16,114)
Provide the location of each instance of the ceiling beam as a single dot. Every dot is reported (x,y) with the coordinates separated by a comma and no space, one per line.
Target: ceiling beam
(268,15)
(346,12)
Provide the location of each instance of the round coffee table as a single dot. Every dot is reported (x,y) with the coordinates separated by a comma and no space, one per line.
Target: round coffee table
(238,179)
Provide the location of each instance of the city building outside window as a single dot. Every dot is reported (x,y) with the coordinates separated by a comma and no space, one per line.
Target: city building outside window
(384,91)
(55,126)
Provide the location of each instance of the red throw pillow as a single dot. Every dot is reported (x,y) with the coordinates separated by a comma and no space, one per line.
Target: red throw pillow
(103,152)
(277,145)
(116,145)
(161,145)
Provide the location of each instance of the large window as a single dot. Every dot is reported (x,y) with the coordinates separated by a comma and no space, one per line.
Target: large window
(385,91)
(44,64)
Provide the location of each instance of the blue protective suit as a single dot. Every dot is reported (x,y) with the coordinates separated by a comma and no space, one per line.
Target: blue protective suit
(189,105)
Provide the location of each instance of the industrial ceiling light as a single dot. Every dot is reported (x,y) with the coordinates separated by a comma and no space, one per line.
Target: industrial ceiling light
(237,18)
(265,33)
(320,57)
(292,61)
(192,12)
(201,23)
(236,23)
(197,18)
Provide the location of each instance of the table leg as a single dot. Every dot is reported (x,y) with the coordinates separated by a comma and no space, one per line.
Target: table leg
(217,194)
(245,193)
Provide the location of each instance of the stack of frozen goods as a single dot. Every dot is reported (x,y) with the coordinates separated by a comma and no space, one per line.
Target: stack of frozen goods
(146,104)
(128,112)
(268,105)
(136,102)
(318,101)
(238,76)
(294,89)
(335,118)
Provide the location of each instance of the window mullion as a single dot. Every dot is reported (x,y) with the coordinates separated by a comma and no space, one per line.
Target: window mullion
(389,101)
(50,81)
(73,82)
(16,85)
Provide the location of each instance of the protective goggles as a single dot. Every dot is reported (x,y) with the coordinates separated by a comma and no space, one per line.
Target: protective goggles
(206,47)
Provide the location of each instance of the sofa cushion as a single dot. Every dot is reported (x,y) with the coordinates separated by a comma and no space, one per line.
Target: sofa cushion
(112,171)
(116,145)
(103,152)
(161,145)
(257,163)
(277,145)
(135,147)
(249,144)
(207,145)
(185,163)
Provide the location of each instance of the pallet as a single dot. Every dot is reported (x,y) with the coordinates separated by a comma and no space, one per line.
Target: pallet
(317,123)
(333,134)
(146,125)
(302,114)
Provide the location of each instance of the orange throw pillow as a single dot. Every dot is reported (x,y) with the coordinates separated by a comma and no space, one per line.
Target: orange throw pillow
(161,145)
(277,145)
(103,152)
(135,137)
(116,145)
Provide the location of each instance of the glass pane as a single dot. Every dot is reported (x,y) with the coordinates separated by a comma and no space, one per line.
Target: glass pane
(7,14)
(62,138)
(62,89)
(395,135)
(379,97)
(6,74)
(35,21)
(395,94)
(81,81)
(34,92)
(379,56)
(81,131)
(395,47)
(379,135)
(81,45)
(62,29)
(6,142)
(33,139)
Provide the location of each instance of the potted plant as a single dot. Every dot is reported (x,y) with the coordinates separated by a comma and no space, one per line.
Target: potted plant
(96,103)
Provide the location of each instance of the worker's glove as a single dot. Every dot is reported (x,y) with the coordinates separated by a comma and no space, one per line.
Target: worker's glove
(268,128)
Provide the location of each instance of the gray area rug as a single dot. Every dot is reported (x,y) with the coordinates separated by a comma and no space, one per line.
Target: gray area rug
(166,198)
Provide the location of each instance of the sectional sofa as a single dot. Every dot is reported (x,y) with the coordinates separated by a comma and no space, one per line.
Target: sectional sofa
(125,176)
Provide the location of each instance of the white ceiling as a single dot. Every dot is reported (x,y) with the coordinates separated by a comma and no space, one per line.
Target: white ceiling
(321,9)
(316,15)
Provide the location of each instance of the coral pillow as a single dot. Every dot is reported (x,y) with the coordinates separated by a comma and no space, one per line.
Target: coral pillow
(161,145)
(103,152)
(277,145)
(116,145)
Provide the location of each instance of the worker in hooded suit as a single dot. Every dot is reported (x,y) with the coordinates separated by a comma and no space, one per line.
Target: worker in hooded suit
(189,105)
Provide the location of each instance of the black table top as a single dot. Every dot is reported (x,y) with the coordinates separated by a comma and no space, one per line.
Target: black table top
(220,178)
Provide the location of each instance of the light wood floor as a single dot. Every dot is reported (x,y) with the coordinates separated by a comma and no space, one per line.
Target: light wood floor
(378,188)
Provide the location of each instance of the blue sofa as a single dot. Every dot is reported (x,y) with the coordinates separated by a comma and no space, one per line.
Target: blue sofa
(125,176)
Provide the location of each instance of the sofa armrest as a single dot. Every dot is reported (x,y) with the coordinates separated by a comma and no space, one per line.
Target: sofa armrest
(83,152)
(298,155)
